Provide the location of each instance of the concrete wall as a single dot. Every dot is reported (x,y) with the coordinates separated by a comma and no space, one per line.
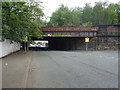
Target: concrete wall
(7,48)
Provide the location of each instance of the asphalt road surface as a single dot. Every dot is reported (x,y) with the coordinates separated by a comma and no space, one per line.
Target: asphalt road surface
(61,69)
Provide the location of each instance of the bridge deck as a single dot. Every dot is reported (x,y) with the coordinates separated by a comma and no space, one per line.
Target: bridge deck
(69,29)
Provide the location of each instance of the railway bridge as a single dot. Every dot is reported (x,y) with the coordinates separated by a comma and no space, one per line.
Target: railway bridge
(67,38)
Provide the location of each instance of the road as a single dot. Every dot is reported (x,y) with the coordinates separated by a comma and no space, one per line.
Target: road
(61,69)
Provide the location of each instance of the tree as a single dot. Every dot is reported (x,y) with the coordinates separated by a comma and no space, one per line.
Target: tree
(118,12)
(87,15)
(112,16)
(61,17)
(98,13)
(104,13)
(21,19)
(76,17)
(101,13)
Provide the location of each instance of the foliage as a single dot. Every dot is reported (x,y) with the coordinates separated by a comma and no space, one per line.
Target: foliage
(20,19)
(60,17)
(118,12)
(104,13)
(100,13)
(87,15)
(76,16)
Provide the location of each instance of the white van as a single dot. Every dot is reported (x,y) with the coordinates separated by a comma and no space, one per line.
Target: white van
(39,43)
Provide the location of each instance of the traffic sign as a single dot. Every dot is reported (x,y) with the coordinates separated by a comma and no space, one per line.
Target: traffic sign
(87,40)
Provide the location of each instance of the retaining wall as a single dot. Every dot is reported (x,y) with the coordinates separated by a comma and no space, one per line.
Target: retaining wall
(6,47)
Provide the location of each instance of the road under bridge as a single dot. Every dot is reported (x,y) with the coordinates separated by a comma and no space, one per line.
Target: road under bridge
(68,38)
(66,43)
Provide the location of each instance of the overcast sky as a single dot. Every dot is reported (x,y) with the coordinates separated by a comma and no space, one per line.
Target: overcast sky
(51,5)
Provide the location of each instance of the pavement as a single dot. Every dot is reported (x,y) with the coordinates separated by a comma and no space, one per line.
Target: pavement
(60,69)
(0,74)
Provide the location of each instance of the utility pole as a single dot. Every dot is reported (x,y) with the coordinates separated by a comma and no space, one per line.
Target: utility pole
(86,46)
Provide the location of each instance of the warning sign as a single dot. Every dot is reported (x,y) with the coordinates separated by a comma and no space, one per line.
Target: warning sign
(86,39)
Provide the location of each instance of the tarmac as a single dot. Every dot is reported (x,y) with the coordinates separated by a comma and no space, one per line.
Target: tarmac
(60,69)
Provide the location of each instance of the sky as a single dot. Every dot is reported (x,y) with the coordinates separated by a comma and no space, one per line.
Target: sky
(51,5)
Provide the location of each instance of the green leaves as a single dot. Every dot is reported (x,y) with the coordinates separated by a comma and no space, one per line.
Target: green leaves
(61,17)
(20,19)
(100,13)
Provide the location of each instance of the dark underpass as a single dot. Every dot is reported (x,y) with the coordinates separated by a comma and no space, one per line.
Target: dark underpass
(68,38)
(66,43)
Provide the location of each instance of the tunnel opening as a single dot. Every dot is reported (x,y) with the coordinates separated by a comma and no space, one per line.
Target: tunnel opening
(65,43)
(38,45)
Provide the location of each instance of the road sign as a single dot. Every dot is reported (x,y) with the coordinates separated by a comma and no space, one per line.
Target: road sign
(86,39)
